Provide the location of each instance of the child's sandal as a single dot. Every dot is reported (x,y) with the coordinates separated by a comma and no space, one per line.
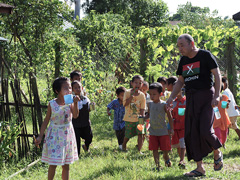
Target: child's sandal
(168,163)
(182,165)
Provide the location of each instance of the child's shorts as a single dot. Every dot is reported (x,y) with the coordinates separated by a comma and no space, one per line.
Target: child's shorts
(131,129)
(178,134)
(159,142)
(234,122)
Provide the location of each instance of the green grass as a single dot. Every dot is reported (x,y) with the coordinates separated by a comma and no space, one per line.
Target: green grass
(105,161)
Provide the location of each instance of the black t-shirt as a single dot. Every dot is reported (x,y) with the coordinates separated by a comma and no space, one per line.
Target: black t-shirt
(83,119)
(197,70)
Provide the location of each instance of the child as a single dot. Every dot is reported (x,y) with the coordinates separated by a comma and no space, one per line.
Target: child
(82,124)
(144,89)
(159,133)
(134,102)
(59,146)
(233,113)
(221,125)
(119,111)
(77,75)
(179,128)
(163,82)
(171,82)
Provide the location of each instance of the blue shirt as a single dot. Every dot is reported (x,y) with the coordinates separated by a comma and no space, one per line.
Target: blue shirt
(119,112)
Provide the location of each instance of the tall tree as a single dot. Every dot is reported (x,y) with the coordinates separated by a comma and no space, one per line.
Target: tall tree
(199,17)
(136,12)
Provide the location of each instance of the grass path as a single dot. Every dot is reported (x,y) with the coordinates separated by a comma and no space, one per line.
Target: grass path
(105,161)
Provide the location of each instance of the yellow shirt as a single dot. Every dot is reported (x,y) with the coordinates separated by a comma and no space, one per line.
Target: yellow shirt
(132,111)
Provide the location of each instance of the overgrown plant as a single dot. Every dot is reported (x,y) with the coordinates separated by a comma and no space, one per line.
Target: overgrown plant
(8,135)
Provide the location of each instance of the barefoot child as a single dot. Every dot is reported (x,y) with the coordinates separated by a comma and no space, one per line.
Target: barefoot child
(82,124)
(179,127)
(159,133)
(134,102)
(221,125)
(144,89)
(59,146)
(119,111)
(233,112)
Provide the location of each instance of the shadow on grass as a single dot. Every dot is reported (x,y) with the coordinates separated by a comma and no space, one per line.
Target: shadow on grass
(232,154)
(111,170)
(180,177)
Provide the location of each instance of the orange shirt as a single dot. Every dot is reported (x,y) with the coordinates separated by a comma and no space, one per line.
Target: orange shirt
(224,121)
(132,110)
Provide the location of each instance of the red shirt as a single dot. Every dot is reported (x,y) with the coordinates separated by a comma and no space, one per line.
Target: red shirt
(179,121)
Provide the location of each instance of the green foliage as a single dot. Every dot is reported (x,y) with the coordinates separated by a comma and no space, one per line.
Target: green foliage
(136,12)
(107,42)
(38,43)
(198,17)
(8,135)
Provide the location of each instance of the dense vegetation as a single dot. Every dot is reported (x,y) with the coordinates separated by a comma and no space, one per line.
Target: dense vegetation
(109,45)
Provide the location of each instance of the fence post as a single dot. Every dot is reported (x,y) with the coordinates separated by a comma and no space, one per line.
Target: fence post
(231,62)
(143,56)
(37,104)
(2,85)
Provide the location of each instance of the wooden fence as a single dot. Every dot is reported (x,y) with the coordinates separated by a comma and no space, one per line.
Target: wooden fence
(14,111)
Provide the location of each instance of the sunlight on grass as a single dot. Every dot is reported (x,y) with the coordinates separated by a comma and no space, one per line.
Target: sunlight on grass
(106,161)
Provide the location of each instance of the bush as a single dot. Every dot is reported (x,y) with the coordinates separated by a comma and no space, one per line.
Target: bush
(8,134)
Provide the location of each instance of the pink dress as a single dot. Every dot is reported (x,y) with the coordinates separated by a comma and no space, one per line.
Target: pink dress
(59,146)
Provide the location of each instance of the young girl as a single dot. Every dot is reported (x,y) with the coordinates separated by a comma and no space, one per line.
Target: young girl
(221,125)
(82,124)
(59,146)
(179,128)
(134,102)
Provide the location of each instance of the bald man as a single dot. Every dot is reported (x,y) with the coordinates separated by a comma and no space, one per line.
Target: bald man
(196,70)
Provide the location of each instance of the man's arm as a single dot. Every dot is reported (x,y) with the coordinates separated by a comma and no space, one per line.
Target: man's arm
(217,86)
(176,89)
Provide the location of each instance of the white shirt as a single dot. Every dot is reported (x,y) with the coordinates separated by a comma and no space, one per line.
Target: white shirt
(231,110)
(83,102)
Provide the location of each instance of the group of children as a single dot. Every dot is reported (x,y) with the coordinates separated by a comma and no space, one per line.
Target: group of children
(162,127)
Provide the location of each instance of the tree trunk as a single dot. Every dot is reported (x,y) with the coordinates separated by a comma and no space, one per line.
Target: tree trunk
(143,56)
(231,63)
(57,59)
(77,9)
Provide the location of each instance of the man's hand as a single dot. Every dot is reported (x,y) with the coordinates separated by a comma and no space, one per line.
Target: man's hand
(215,101)
(169,103)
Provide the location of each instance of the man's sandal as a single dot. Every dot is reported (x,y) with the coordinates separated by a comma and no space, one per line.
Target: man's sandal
(194,173)
(219,161)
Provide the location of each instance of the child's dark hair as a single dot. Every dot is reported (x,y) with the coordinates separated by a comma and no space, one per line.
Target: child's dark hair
(172,80)
(57,84)
(156,85)
(74,82)
(224,80)
(221,88)
(146,83)
(75,73)
(162,79)
(120,90)
(137,77)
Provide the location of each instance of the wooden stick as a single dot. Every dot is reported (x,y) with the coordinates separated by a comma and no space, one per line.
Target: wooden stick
(27,167)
